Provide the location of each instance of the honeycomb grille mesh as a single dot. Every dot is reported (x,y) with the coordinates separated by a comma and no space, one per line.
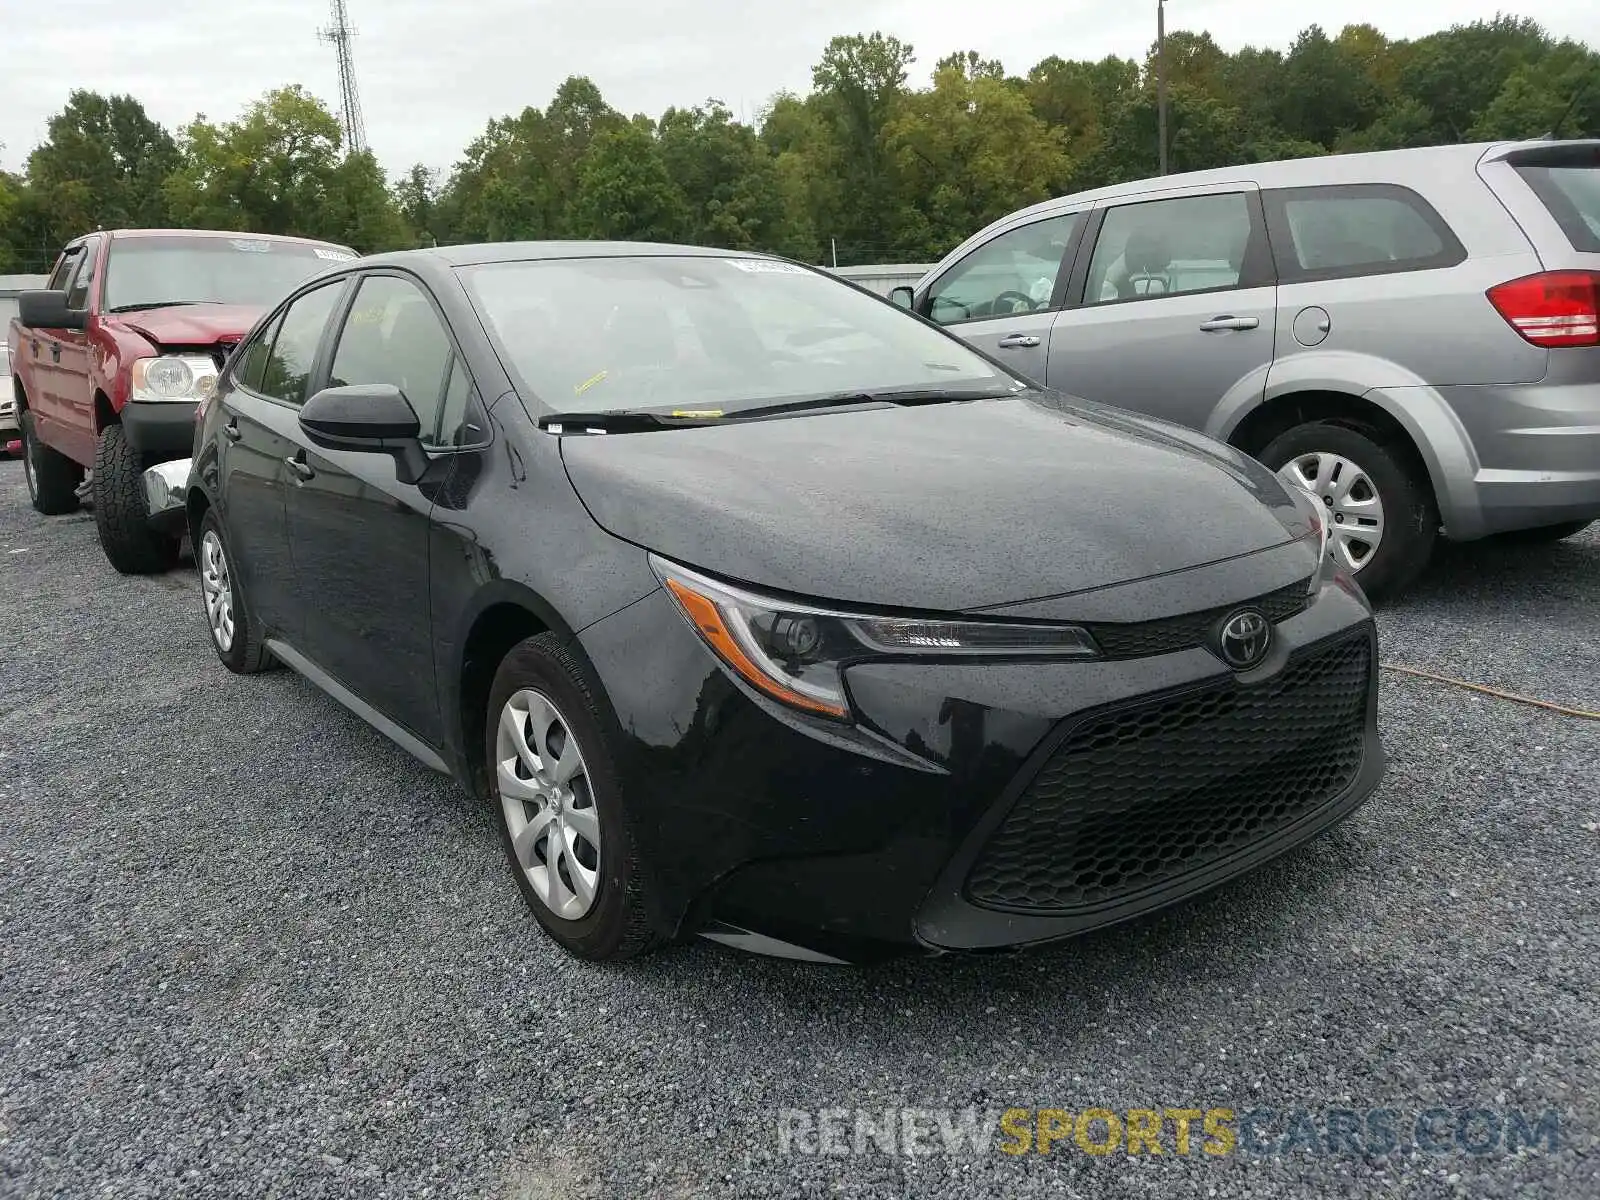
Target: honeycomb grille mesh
(1142,639)
(1139,797)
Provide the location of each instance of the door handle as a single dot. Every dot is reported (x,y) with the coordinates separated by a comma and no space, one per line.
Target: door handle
(299,466)
(1017,341)
(55,351)
(1217,323)
(231,430)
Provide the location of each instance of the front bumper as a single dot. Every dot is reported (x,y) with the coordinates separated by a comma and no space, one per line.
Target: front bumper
(166,489)
(754,820)
(162,430)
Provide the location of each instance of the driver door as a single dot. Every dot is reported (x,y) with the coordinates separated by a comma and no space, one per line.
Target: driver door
(1003,296)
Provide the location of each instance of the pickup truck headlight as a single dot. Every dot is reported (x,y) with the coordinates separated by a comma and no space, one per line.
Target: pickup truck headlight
(796,653)
(173,377)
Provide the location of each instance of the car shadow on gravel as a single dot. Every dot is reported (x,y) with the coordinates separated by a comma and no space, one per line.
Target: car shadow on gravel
(1466,574)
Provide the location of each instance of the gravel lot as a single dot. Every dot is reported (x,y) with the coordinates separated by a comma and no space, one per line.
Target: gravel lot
(247,948)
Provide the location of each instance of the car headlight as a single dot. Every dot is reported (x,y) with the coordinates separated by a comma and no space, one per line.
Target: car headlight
(173,377)
(796,653)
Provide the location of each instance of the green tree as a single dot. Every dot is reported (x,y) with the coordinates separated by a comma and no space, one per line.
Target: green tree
(102,164)
(964,153)
(624,190)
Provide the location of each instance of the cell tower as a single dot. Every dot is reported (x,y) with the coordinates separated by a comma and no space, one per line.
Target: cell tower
(340,34)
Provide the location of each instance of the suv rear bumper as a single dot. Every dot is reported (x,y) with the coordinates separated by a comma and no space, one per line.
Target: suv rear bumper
(163,430)
(1505,457)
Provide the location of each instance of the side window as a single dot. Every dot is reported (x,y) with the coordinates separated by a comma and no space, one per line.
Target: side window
(1366,229)
(83,280)
(1168,247)
(63,270)
(1014,273)
(458,418)
(250,368)
(392,335)
(294,350)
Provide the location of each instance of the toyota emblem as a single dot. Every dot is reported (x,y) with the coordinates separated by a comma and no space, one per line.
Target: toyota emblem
(1246,637)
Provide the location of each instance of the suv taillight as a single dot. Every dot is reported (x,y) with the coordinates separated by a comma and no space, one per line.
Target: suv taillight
(1556,308)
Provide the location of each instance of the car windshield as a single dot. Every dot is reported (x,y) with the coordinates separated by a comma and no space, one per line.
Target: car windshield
(708,334)
(143,272)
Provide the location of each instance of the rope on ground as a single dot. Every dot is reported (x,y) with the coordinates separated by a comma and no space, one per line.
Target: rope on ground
(1499,693)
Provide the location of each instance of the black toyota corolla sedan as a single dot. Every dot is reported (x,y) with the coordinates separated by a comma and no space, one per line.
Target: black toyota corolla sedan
(761,609)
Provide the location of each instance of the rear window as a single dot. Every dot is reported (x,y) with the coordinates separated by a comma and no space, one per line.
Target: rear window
(1366,229)
(1572,194)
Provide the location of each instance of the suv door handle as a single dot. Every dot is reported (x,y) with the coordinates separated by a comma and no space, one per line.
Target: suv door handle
(55,351)
(297,464)
(1016,341)
(1217,323)
(231,430)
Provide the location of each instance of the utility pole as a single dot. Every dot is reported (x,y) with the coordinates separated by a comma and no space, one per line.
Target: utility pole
(1161,79)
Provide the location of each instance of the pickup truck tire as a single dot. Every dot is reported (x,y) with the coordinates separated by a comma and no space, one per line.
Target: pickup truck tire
(52,477)
(1384,479)
(121,513)
(236,636)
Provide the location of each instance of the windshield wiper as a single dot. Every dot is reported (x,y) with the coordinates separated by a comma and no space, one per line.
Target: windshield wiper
(906,399)
(636,420)
(122,308)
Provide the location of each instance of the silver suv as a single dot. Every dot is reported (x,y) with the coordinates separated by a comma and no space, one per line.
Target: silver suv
(1413,335)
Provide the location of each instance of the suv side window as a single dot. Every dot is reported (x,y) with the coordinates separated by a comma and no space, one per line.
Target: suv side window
(250,367)
(294,350)
(1343,231)
(392,335)
(1014,273)
(1171,247)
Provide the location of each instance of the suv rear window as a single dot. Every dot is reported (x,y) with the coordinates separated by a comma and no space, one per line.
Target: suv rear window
(1572,194)
(1357,229)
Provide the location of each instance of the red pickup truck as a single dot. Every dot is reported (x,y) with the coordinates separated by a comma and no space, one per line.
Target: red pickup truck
(109,362)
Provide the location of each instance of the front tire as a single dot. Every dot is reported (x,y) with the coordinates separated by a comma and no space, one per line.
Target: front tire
(1382,519)
(235,634)
(52,477)
(555,781)
(121,514)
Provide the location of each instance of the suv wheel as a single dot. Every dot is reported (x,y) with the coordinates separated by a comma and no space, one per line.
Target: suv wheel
(554,778)
(52,477)
(235,635)
(121,514)
(1382,521)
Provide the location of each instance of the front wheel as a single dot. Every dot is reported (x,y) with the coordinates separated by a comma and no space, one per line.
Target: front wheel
(1382,520)
(235,634)
(121,513)
(554,777)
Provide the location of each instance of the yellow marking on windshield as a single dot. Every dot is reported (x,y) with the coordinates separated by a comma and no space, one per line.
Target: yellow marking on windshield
(588,383)
(697,413)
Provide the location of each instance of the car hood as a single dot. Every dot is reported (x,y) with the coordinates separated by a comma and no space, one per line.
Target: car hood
(944,508)
(193,324)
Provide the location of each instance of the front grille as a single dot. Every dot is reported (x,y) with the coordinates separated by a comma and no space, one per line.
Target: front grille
(1139,796)
(1141,639)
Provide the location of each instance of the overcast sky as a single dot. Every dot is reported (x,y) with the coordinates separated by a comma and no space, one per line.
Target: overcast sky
(432,73)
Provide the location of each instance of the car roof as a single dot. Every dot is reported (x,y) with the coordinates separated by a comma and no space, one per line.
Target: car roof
(1376,166)
(215,233)
(495,252)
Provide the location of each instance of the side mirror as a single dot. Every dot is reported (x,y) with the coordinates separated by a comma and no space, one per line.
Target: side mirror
(902,296)
(48,310)
(371,418)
